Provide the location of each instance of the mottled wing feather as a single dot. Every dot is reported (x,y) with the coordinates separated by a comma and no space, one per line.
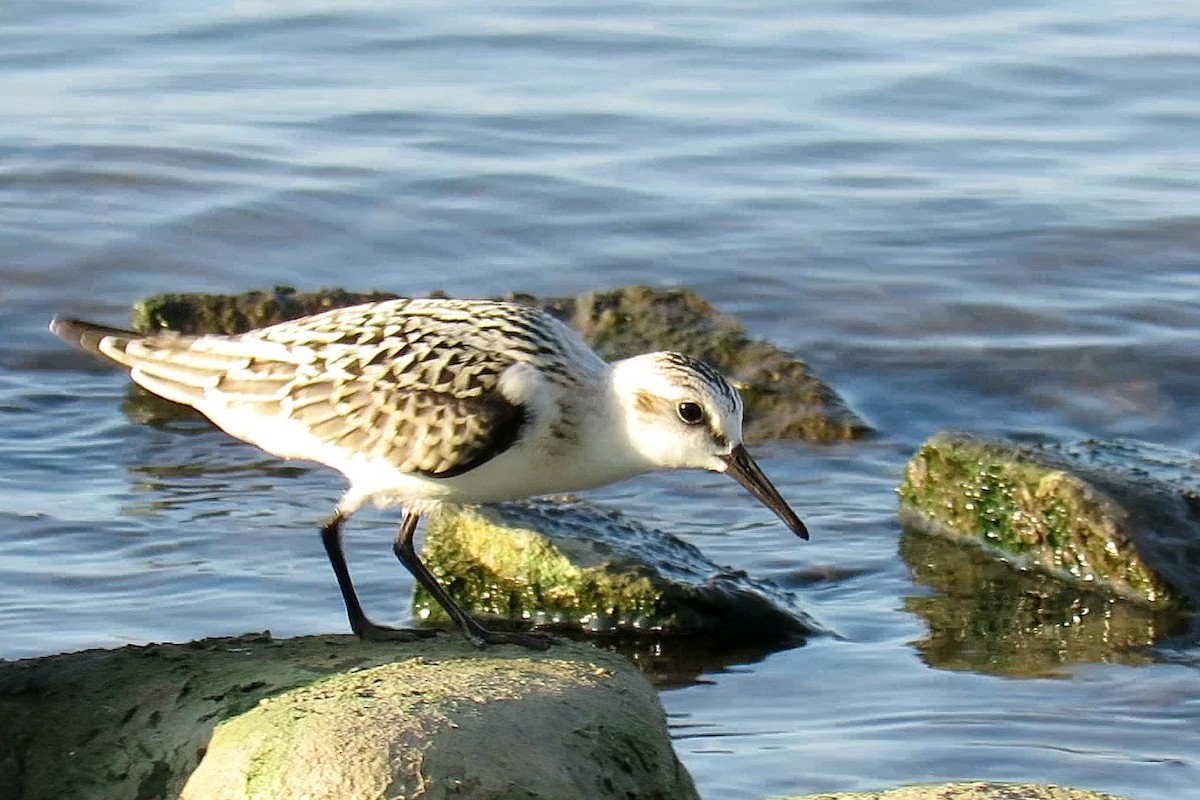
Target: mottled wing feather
(411,384)
(429,432)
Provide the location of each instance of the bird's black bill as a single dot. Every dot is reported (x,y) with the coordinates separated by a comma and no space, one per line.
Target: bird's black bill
(743,469)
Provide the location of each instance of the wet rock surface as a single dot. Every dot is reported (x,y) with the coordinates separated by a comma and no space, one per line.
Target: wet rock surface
(969,791)
(194,313)
(332,717)
(578,567)
(1120,518)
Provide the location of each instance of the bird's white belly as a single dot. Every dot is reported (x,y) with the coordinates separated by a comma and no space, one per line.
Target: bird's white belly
(526,470)
(510,475)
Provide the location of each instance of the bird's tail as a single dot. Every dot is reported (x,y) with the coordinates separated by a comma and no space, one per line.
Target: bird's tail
(106,342)
(176,366)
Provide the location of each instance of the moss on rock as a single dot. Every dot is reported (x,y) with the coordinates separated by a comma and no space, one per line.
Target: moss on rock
(1095,513)
(577,567)
(575,722)
(133,722)
(195,313)
(330,716)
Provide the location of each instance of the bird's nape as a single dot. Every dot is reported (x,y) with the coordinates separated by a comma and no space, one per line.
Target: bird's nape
(743,469)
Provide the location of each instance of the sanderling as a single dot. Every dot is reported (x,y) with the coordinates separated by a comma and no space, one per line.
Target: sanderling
(423,402)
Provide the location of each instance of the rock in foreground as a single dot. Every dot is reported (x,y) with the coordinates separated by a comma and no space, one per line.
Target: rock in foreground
(1120,518)
(578,567)
(331,717)
(969,791)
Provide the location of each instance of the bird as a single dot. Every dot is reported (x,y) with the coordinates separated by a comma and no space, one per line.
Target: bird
(420,402)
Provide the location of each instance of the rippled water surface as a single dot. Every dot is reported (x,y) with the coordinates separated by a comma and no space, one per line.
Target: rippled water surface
(979,216)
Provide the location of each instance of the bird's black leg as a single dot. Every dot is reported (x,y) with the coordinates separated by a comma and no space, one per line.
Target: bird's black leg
(331,537)
(475,633)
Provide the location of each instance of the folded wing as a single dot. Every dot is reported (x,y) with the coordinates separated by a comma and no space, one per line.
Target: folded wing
(414,392)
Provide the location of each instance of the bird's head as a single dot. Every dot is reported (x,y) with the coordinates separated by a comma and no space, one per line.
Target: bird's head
(680,413)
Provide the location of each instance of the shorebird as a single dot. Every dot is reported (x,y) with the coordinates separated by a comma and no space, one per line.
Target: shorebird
(419,402)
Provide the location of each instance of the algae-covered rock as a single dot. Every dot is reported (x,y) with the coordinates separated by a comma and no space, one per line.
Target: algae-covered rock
(133,722)
(574,723)
(987,617)
(332,717)
(236,313)
(783,399)
(968,791)
(1118,517)
(577,567)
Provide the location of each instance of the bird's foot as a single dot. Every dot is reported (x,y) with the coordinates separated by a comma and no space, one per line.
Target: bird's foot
(482,637)
(370,632)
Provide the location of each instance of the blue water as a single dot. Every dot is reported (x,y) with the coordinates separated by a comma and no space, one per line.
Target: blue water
(979,216)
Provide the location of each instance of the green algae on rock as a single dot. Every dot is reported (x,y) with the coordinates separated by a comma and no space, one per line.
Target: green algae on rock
(576,567)
(986,617)
(195,313)
(135,722)
(980,790)
(1101,514)
(783,399)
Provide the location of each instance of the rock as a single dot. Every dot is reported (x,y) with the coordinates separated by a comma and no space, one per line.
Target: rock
(577,567)
(968,791)
(505,724)
(783,399)
(329,716)
(1118,518)
(195,313)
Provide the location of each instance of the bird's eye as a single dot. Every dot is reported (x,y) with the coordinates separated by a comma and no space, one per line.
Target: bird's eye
(691,413)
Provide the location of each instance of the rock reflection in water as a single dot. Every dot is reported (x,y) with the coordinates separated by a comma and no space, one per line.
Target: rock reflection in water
(988,616)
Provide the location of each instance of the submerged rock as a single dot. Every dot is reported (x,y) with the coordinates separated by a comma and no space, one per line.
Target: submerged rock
(1119,518)
(332,717)
(969,791)
(783,399)
(577,567)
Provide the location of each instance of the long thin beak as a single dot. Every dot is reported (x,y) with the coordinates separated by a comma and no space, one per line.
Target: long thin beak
(743,469)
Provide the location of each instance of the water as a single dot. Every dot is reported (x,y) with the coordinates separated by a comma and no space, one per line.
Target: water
(964,216)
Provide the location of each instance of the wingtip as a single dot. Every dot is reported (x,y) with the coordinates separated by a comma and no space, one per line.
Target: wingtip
(87,335)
